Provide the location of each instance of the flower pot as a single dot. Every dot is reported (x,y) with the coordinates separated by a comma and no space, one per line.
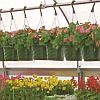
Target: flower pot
(24,54)
(10,54)
(39,52)
(90,53)
(1,53)
(54,54)
(71,53)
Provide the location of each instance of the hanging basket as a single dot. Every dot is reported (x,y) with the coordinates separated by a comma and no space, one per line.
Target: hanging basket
(10,54)
(54,54)
(90,53)
(24,54)
(1,53)
(39,52)
(98,53)
(71,53)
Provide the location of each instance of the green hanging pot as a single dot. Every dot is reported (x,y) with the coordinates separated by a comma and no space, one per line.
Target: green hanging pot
(10,54)
(98,53)
(24,54)
(54,54)
(1,53)
(72,54)
(39,52)
(90,53)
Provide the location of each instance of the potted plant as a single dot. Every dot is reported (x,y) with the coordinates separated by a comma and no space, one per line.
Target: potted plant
(97,42)
(1,49)
(23,42)
(40,47)
(54,48)
(69,42)
(86,33)
(8,51)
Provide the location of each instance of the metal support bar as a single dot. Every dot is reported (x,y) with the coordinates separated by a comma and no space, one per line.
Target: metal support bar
(52,5)
(64,15)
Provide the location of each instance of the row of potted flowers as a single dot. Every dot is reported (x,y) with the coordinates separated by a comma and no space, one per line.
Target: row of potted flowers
(43,42)
(49,88)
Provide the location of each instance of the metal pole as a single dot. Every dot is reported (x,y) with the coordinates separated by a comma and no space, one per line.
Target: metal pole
(3,64)
(52,5)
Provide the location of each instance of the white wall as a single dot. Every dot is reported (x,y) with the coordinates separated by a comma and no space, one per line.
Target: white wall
(33,16)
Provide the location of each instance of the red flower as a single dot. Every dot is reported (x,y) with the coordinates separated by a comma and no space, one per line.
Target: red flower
(87,30)
(91,26)
(65,40)
(65,30)
(29,30)
(80,29)
(73,81)
(81,83)
(35,35)
(71,38)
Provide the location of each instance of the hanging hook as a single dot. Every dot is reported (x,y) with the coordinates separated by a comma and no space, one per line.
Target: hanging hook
(12,19)
(92,14)
(74,13)
(0,15)
(40,9)
(11,13)
(1,21)
(25,12)
(55,8)
(55,17)
(73,7)
(25,19)
(92,10)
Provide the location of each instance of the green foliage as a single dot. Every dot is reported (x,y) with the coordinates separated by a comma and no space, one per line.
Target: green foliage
(87,95)
(45,36)
(22,39)
(5,39)
(63,89)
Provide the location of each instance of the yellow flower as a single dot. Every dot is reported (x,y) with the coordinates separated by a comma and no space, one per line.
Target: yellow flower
(43,84)
(45,78)
(9,82)
(68,82)
(34,76)
(51,87)
(47,86)
(63,88)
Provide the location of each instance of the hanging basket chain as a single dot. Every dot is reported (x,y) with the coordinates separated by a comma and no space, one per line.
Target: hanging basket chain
(41,21)
(74,13)
(92,14)
(1,21)
(12,20)
(55,17)
(26,22)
